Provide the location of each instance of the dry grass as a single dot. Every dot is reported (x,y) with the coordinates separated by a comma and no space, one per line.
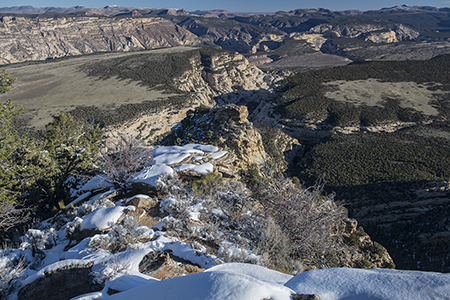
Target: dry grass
(373,92)
(45,89)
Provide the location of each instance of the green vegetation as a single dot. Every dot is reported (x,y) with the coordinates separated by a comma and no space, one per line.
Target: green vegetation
(275,143)
(303,95)
(152,71)
(206,184)
(156,71)
(17,156)
(71,149)
(125,112)
(354,238)
(40,170)
(367,158)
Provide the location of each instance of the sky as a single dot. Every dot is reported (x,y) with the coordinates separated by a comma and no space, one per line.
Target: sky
(232,5)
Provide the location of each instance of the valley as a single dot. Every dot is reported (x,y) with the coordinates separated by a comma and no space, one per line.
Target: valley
(359,102)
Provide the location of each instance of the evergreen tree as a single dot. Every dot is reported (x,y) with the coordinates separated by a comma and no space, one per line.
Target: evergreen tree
(73,149)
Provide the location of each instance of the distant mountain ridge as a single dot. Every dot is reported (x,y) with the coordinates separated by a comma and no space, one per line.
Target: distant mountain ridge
(272,40)
(110,10)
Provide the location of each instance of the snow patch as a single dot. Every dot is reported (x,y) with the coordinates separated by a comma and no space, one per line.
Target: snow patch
(150,175)
(104,217)
(201,169)
(374,284)
(98,182)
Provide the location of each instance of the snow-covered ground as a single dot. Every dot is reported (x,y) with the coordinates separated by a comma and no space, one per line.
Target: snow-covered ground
(120,271)
(245,281)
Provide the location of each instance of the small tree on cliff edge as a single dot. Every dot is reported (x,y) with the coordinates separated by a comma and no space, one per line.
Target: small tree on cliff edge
(15,151)
(73,149)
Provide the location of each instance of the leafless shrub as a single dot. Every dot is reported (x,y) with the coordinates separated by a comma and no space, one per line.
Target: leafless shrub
(111,268)
(306,217)
(12,215)
(228,205)
(123,234)
(123,159)
(99,241)
(9,274)
(177,202)
(276,250)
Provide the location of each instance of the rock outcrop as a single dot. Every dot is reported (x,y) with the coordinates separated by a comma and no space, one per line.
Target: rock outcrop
(227,127)
(367,32)
(226,76)
(219,77)
(165,265)
(26,38)
(63,283)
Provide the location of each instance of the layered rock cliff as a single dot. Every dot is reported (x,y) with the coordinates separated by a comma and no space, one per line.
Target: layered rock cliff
(40,38)
(218,77)
(84,31)
(367,32)
(226,127)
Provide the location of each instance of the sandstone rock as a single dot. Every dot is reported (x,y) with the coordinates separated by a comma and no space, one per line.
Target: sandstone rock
(147,211)
(41,38)
(143,202)
(389,33)
(165,265)
(220,77)
(236,114)
(61,284)
(227,127)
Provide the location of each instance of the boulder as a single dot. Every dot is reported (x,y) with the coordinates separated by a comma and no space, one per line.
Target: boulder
(233,113)
(165,265)
(60,284)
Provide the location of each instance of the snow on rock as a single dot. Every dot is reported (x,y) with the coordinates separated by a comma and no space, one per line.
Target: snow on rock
(258,272)
(150,175)
(170,158)
(197,157)
(79,199)
(55,266)
(98,182)
(78,251)
(201,169)
(104,217)
(190,148)
(170,155)
(126,282)
(373,284)
(101,195)
(246,281)
(205,148)
(209,285)
(141,196)
(218,155)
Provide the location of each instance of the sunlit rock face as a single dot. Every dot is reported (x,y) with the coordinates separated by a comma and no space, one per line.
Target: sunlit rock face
(23,38)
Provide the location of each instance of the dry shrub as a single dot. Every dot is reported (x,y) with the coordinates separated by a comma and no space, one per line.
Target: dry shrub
(12,215)
(305,216)
(122,160)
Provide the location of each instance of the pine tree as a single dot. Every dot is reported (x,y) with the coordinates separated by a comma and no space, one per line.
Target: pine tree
(73,149)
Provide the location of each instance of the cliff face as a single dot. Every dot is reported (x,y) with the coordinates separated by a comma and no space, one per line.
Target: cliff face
(220,77)
(368,32)
(40,38)
(224,73)
(228,128)
(23,38)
